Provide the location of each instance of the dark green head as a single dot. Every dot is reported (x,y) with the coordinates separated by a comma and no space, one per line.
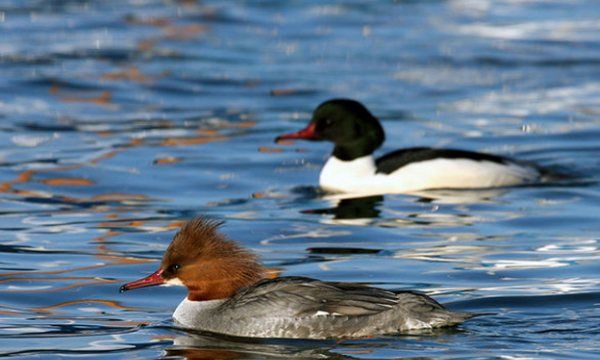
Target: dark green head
(348,124)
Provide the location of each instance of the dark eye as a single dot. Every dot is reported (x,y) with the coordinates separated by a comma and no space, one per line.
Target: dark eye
(173,268)
(328,121)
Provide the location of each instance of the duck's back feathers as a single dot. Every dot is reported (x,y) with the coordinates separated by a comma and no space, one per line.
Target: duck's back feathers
(309,297)
(298,307)
(393,161)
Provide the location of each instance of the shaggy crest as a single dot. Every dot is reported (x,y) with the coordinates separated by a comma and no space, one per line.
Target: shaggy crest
(209,264)
(199,237)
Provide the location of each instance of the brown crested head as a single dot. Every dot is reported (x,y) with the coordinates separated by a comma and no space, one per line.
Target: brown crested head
(209,264)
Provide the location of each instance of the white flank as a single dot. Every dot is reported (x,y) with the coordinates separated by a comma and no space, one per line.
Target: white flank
(358,176)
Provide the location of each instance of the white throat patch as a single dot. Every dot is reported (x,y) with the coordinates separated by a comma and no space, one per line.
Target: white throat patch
(174,281)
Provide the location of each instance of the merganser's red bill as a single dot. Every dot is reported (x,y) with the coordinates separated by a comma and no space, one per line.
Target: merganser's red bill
(150,280)
(308,133)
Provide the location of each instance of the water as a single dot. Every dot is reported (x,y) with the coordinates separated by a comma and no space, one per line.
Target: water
(121,119)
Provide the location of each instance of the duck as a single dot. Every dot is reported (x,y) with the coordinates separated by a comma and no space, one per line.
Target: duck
(231,293)
(352,168)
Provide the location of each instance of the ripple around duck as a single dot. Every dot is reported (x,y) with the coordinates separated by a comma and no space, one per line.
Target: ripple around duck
(121,119)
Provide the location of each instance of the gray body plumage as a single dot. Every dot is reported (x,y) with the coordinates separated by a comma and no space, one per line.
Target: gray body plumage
(297,307)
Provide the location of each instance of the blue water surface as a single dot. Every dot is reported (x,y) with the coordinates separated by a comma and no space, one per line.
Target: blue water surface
(120,119)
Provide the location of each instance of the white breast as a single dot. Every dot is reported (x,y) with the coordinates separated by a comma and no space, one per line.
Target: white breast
(347,176)
(359,175)
(195,314)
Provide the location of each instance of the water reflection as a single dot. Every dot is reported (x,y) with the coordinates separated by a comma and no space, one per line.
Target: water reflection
(456,197)
(200,345)
(346,209)
(213,346)
(351,208)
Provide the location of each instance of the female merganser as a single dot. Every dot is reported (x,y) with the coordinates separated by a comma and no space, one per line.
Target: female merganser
(229,292)
(351,168)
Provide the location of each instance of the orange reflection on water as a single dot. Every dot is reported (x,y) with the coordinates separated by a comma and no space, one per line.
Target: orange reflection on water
(269,149)
(108,303)
(119,197)
(104,99)
(174,225)
(166,160)
(24,177)
(146,45)
(132,73)
(184,32)
(246,124)
(284,92)
(67,182)
(10,313)
(188,141)
(54,310)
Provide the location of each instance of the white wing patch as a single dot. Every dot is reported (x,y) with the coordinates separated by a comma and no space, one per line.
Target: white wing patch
(327,313)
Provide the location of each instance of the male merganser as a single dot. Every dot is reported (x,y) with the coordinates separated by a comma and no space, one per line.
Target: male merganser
(229,292)
(351,168)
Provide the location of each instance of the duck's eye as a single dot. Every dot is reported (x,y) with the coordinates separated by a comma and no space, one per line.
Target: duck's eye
(173,268)
(328,121)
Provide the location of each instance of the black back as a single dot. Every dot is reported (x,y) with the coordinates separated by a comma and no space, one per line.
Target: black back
(393,161)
